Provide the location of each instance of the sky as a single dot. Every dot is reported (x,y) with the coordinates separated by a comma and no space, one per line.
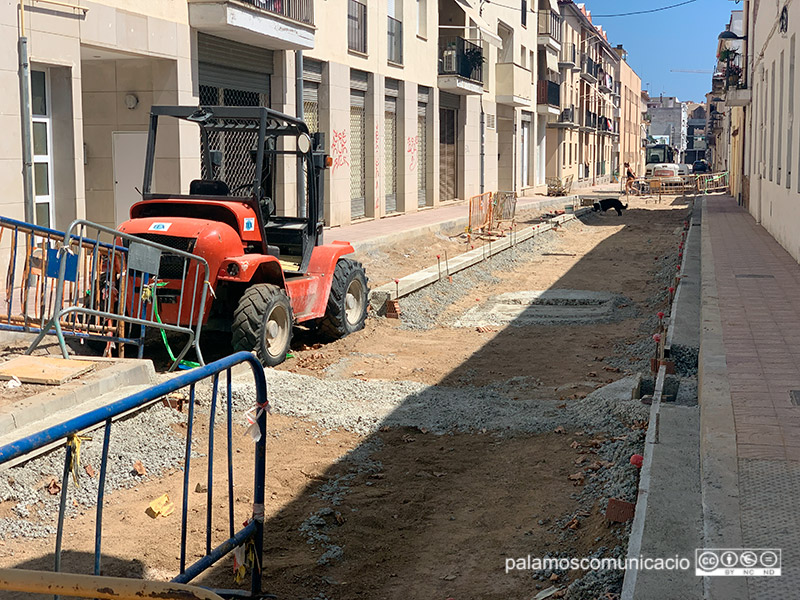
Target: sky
(680,38)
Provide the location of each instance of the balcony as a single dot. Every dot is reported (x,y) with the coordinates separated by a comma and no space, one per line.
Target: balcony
(606,82)
(460,66)
(736,90)
(550,30)
(589,121)
(566,119)
(513,85)
(395,40)
(589,70)
(548,97)
(273,24)
(569,57)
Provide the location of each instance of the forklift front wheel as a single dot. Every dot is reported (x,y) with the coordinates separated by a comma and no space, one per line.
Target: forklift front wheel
(347,302)
(263,322)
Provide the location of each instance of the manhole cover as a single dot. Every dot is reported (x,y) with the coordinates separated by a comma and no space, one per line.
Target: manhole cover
(548,307)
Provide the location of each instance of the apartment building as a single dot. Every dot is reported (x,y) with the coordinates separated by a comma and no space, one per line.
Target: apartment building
(628,113)
(583,141)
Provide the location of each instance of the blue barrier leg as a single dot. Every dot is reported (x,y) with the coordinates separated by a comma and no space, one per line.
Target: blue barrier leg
(187,461)
(101,486)
(210,491)
(258,500)
(62,507)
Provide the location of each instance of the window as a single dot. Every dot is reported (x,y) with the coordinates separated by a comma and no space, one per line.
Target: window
(524,15)
(394,32)
(772,122)
(42,149)
(357,26)
(422,18)
(780,116)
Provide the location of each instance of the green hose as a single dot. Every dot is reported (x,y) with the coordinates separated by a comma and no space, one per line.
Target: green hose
(184,364)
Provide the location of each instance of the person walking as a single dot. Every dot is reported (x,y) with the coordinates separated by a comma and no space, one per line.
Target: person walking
(630,177)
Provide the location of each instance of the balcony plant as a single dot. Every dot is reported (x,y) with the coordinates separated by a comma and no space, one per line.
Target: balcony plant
(474,58)
(733,75)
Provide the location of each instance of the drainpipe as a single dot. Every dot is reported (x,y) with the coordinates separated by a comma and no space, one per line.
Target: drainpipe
(483,149)
(25,113)
(301,187)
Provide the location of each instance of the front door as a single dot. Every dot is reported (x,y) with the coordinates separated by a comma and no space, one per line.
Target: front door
(128,149)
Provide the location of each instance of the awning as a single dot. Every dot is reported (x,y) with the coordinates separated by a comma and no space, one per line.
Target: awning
(552,61)
(475,16)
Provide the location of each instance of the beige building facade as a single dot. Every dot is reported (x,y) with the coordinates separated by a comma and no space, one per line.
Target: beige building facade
(422,102)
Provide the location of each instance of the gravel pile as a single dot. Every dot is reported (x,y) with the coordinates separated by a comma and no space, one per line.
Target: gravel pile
(364,406)
(423,309)
(146,437)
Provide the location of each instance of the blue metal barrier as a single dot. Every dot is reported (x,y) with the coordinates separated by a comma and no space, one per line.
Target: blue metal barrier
(253,531)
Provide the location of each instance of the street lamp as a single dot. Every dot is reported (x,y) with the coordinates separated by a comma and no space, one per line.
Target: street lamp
(729,35)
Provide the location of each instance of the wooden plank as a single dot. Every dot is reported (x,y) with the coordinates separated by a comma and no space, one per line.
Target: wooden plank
(47,370)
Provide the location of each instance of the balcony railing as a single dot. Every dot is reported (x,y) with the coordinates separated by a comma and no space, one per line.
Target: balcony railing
(735,75)
(550,24)
(297,10)
(589,67)
(548,92)
(459,57)
(395,40)
(357,26)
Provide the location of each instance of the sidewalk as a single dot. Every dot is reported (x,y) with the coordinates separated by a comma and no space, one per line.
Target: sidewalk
(450,216)
(750,426)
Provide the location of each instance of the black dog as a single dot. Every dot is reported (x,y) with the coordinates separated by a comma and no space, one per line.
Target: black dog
(607,203)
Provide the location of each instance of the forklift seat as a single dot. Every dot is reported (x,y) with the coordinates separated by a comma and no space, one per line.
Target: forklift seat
(209,187)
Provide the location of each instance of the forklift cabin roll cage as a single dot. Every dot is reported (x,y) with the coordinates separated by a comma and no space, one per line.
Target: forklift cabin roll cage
(303,233)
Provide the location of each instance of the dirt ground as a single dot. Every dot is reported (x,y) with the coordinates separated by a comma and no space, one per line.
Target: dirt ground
(441,514)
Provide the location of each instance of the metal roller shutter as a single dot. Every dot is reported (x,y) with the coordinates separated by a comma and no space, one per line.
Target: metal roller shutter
(230,65)
(390,152)
(358,155)
(422,153)
(447,100)
(448,161)
(312,77)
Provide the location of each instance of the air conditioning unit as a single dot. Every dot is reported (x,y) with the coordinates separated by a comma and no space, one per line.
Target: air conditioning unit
(449,61)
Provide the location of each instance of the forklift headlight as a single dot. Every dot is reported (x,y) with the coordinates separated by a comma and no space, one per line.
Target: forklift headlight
(233,269)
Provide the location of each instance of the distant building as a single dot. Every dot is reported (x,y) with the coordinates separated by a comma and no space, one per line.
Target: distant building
(695,132)
(668,122)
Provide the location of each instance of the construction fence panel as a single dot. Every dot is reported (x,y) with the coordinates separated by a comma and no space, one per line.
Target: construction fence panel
(712,182)
(96,283)
(480,212)
(504,209)
(246,541)
(29,274)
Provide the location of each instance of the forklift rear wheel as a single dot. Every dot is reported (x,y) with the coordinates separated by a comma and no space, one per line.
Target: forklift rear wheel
(263,322)
(347,303)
